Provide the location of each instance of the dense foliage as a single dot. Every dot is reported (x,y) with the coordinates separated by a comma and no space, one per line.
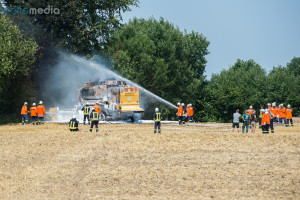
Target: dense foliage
(17,55)
(246,83)
(81,26)
(158,56)
(153,53)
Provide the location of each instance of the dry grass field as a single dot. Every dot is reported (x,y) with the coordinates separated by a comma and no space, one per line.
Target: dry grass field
(127,161)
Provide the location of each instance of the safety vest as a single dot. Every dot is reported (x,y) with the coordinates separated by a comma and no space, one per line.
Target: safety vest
(289,114)
(72,125)
(86,110)
(250,111)
(260,113)
(24,110)
(95,116)
(33,111)
(157,117)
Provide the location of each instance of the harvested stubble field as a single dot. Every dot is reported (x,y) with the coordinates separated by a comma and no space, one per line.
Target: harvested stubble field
(127,161)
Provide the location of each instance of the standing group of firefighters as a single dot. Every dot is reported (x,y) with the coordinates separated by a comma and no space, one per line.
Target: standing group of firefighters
(37,113)
(184,114)
(267,117)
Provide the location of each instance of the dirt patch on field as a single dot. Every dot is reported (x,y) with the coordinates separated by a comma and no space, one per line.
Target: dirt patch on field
(127,161)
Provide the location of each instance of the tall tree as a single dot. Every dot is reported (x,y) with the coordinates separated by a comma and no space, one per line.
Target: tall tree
(161,58)
(241,85)
(17,56)
(79,26)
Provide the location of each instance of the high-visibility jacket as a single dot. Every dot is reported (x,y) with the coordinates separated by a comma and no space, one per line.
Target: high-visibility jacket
(250,111)
(86,110)
(24,110)
(267,118)
(269,107)
(97,108)
(260,113)
(263,119)
(274,111)
(73,124)
(33,111)
(94,116)
(282,112)
(157,116)
(190,111)
(41,112)
(289,113)
(277,110)
(180,111)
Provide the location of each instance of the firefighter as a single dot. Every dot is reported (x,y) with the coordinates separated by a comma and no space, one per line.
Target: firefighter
(274,110)
(184,114)
(33,112)
(97,107)
(179,113)
(157,116)
(73,124)
(260,115)
(266,122)
(24,112)
(190,112)
(269,105)
(94,117)
(263,121)
(250,111)
(86,113)
(289,116)
(272,116)
(282,114)
(41,112)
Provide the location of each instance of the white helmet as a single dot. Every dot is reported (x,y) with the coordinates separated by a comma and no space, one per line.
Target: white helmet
(289,106)
(33,104)
(156,110)
(178,104)
(98,103)
(263,110)
(40,102)
(190,104)
(25,103)
(269,104)
(250,107)
(274,104)
(266,111)
(74,116)
(182,104)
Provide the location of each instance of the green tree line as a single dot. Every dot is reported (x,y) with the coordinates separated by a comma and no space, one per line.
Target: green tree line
(153,53)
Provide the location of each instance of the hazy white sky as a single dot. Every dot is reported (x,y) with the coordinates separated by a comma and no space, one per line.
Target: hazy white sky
(267,31)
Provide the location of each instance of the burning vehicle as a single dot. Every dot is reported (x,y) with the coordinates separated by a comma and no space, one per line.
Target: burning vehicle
(117,99)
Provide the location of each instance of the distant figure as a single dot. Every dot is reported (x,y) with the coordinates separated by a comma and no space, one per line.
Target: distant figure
(253,121)
(94,117)
(24,115)
(179,113)
(73,124)
(250,111)
(86,113)
(33,113)
(246,121)
(97,108)
(157,116)
(184,114)
(190,113)
(269,105)
(265,122)
(260,115)
(236,120)
(41,112)
(289,116)
(282,115)
(272,117)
